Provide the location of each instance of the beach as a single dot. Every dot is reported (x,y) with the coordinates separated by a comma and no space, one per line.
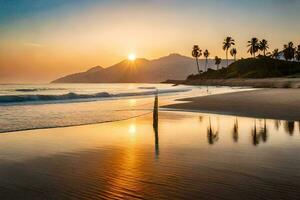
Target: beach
(114,149)
(188,156)
(149,100)
(263,103)
(244,82)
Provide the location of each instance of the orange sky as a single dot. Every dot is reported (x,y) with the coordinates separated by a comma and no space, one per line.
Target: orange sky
(42,43)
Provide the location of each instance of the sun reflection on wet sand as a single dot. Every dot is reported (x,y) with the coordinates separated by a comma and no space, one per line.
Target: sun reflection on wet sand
(132,102)
(186,154)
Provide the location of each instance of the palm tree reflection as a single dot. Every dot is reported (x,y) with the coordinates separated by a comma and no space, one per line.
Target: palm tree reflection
(264,132)
(201,118)
(235,131)
(277,124)
(212,136)
(289,127)
(255,138)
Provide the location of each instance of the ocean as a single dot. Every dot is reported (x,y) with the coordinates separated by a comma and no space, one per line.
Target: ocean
(26,107)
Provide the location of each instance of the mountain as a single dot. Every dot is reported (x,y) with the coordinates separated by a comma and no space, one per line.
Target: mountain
(95,69)
(173,66)
(90,75)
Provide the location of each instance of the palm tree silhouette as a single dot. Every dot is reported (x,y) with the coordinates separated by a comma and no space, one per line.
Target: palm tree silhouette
(289,51)
(253,46)
(206,54)
(233,53)
(196,53)
(263,46)
(297,54)
(275,54)
(228,42)
(218,61)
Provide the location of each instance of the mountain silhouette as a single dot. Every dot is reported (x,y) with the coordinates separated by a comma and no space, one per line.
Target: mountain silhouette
(173,66)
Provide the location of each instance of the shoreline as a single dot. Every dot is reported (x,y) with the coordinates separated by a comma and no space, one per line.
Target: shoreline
(239,82)
(280,104)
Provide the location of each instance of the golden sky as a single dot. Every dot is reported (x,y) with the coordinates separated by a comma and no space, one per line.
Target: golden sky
(43,40)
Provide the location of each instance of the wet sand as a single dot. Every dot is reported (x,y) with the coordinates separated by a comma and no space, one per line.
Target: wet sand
(264,103)
(188,156)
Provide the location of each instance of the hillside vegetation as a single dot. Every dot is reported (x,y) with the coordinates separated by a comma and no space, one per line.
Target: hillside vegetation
(263,67)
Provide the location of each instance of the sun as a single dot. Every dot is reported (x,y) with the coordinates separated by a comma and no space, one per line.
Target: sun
(131,57)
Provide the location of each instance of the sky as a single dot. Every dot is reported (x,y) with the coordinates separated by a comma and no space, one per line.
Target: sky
(41,40)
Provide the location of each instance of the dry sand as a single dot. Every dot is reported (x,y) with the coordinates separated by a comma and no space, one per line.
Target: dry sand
(265,103)
(257,83)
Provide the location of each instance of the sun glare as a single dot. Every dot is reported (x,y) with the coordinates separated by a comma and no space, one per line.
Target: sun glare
(132,57)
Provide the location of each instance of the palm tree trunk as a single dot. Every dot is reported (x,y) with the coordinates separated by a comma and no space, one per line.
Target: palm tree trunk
(198,65)
(227,56)
(205,64)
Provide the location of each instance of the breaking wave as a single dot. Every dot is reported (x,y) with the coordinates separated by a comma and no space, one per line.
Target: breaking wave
(6,99)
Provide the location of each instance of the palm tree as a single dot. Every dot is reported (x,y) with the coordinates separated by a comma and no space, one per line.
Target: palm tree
(275,54)
(233,53)
(206,54)
(297,56)
(253,46)
(228,42)
(196,53)
(218,61)
(289,51)
(263,46)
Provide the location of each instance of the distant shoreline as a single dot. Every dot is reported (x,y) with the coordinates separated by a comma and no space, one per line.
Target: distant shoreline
(256,83)
(280,104)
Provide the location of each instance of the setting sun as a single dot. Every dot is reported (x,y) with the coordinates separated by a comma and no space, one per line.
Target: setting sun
(132,57)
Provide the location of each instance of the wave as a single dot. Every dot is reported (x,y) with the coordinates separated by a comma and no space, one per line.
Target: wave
(36,89)
(26,90)
(147,88)
(6,99)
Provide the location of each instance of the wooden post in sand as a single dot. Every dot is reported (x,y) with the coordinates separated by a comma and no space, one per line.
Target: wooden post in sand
(155,123)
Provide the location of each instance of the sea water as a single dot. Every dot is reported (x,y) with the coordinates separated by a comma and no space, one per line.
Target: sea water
(24,107)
